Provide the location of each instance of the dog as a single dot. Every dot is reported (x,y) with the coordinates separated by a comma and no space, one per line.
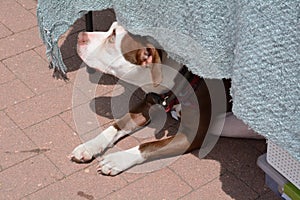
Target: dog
(135,60)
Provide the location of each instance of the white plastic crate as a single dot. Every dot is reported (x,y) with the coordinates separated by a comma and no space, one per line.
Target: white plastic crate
(284,163)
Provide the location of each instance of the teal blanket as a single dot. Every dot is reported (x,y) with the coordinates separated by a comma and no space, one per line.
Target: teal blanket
(255,43)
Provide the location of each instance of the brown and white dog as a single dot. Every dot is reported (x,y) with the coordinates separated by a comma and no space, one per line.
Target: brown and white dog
(135,61)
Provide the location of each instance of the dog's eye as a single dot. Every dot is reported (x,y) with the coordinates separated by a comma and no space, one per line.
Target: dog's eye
(112,37)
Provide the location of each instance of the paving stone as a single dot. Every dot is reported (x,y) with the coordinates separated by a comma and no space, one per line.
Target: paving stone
(14,145)
(4,31)
(32,69)
(59,140)
(85,119)
(86,184)
(33,11)
(67,117)
(131,177)
(196,172)
(163,184)
(237,156)
(15,91)
(225,187)
(211,191)
(114,107)
(74,121)
(5,74)
(20,42)
(78,97)
(27,177)
(41,50)
(42,107)
(28,4)
(16,17)
(270,195)
(96,84)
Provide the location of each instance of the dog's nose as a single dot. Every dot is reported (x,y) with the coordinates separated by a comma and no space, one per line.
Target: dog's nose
(83,38)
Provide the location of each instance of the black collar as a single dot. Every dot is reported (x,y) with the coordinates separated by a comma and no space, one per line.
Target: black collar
(169,99)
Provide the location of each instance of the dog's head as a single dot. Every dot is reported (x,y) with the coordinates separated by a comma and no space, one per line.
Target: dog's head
(116,52)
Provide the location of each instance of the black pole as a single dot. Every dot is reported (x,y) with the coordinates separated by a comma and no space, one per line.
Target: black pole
(89,27)
(89,21)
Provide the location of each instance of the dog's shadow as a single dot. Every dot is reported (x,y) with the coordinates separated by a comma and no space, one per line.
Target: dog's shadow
(117,106)
(239,175)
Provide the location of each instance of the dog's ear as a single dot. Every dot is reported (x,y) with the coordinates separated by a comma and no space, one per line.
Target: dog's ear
(150,58)
(136,51)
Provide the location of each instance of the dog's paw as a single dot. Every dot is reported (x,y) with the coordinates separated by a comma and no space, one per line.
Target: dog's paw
(85,152)
(115,163)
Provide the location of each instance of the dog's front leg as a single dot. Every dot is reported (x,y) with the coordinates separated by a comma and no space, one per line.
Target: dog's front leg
(88,150)
(137,118)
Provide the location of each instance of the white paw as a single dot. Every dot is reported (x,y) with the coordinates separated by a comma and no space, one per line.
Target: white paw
(85,152)
(113,164)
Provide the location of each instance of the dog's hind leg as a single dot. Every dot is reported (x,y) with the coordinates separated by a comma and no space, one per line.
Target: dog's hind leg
(114,163)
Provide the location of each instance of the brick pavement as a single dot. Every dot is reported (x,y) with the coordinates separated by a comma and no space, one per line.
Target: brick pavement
(38,130)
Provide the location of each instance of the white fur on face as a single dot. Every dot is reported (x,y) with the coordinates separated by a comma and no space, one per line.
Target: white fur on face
(101,54)
(107,57)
